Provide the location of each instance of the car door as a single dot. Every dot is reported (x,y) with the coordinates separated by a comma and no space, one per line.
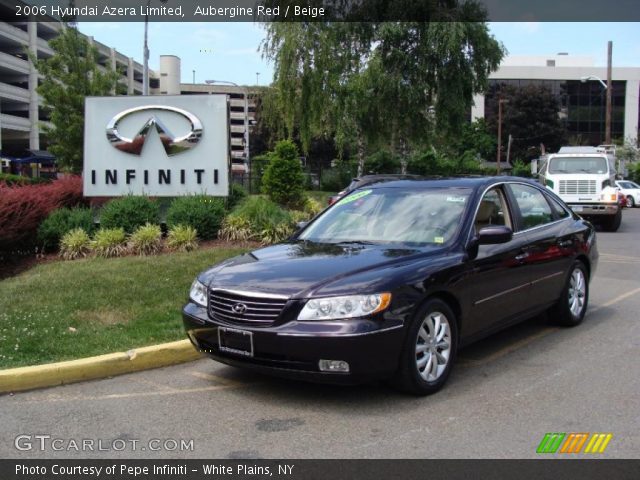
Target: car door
(550,245)
(498,286)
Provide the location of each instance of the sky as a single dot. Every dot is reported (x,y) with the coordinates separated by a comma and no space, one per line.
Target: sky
(230,51)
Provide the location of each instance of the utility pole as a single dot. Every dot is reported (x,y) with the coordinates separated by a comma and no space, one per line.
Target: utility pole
(500,102)
(607,125)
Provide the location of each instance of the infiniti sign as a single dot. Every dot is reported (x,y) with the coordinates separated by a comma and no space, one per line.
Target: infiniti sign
(172,144)
(167,145)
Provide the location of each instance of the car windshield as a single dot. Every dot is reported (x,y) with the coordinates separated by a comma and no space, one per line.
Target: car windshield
(578,165)
(628,185)
(392,215)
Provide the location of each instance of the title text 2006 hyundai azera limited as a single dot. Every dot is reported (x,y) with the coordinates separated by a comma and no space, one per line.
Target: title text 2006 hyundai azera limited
(393,279)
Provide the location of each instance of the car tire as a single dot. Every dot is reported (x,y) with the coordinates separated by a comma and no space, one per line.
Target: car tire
(612,223)
(631,201)
(417,373)
(572,306)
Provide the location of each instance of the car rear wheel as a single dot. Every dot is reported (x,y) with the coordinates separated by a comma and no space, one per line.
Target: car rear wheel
(631,201)
(572,306)
(429,350)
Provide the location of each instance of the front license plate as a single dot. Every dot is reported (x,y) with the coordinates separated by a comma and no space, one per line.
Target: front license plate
(238,342)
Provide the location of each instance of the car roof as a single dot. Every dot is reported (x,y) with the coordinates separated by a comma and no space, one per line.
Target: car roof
(473,182)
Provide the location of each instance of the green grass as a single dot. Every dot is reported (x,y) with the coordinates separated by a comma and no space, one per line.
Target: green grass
(113,304)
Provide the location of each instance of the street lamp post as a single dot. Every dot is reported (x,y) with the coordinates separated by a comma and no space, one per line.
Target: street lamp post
(246,114)
(145,50)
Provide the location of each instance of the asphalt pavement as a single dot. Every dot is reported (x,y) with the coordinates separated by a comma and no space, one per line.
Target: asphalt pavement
(504,394)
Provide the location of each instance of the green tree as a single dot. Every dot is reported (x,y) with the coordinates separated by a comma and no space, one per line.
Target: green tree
(531,115)
(476,137)
(283,180)
(379,82)
(69,76)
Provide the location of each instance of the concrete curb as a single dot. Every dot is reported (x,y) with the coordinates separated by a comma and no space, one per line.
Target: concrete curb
(61,373)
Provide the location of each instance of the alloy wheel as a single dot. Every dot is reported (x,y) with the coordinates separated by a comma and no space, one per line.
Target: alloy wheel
(577,292)
(433,346)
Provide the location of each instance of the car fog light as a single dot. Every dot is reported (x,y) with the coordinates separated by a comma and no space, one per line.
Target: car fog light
(333,366)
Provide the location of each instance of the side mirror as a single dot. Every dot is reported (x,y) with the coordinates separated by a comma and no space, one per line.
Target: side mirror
(494,234)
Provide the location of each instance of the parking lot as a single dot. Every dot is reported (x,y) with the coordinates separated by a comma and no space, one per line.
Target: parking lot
(505,393)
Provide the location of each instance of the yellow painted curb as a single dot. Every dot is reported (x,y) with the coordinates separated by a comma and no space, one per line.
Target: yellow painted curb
(51,374)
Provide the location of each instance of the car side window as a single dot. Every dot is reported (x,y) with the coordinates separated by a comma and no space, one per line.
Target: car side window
(492,210)
(533,206)
(561,211)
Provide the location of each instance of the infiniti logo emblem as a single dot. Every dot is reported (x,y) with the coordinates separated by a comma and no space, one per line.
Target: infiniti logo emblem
(239,308)
(172,144)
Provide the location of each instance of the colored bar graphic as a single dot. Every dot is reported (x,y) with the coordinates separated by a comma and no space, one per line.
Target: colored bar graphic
(598,443)
(550,443)
(573,442)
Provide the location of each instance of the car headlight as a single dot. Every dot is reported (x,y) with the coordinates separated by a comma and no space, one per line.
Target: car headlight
(198,293)
(352,306)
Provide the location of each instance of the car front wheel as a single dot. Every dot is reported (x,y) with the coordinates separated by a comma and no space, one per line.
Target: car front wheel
(572,306)
(630,201)
(429,350)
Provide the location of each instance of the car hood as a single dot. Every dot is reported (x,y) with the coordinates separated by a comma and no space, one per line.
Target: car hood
(298,269)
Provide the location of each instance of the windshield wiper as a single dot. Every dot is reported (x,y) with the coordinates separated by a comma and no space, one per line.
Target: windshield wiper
(355,242)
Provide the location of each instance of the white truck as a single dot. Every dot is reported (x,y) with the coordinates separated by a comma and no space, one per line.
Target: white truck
(584,177)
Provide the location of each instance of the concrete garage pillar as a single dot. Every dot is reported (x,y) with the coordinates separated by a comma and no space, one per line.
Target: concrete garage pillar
(631,107)
(34,132)
(112,58)
(130,77)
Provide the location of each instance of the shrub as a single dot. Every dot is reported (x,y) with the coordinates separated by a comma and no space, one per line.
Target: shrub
(236,229)
(201,212)
(298,216)
(109,242)
(276,233)
(182,238)
(521,169)
(75,244)
(23,208)
(382,161)
(237,193)
(258,218)
(129,213)
(261,212)
(312,207)
(146,240)
(283,180)
(61,221)
(634,172)
(335,180)
(10,179)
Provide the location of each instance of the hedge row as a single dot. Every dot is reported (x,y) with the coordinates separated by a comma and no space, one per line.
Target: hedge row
(24,208)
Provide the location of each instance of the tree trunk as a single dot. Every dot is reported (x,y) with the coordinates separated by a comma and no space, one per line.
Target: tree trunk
(361,151)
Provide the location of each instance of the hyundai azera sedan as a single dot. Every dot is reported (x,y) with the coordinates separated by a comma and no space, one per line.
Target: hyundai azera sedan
(393,279)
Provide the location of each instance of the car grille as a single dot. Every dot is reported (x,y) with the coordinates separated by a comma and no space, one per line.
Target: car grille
(578,187)
(259,309)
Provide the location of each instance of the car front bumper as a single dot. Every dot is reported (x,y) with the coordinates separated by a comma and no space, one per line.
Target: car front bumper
(293,350)
(596,209)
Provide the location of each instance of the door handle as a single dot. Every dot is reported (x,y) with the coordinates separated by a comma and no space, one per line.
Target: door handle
(522,256)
